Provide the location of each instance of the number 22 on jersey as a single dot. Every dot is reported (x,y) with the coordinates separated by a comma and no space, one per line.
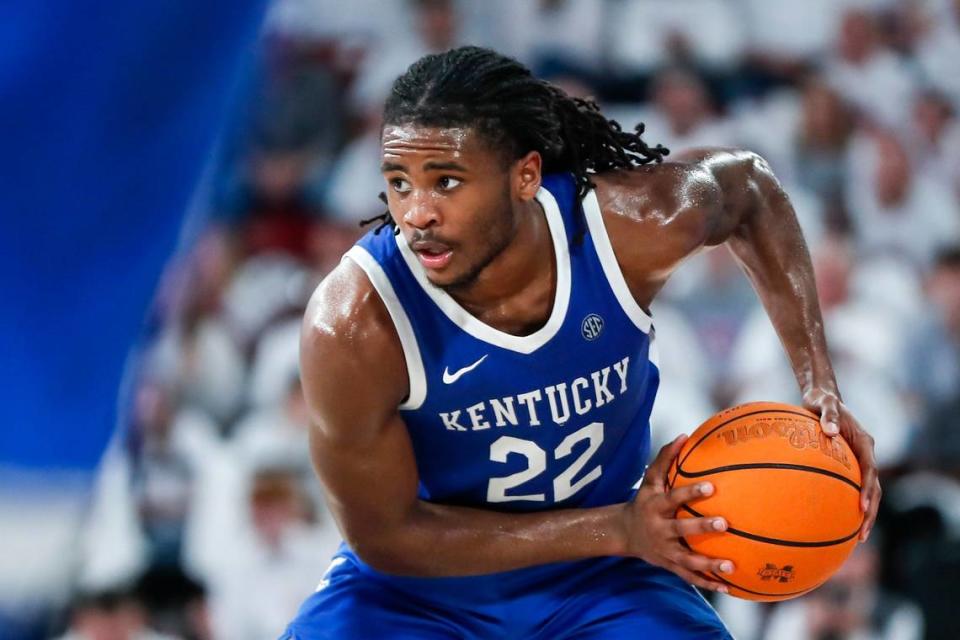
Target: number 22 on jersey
(563,485)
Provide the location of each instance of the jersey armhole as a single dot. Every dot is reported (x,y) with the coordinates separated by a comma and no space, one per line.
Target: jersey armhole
(408,340)
(611,268)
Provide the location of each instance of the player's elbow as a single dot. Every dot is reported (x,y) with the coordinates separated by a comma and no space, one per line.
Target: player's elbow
(732,166)
(757,167)
(370,551)
(386,557)
(749,188)
(384,549)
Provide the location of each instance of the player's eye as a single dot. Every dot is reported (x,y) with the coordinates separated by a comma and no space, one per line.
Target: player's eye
(448,183)
(400,185)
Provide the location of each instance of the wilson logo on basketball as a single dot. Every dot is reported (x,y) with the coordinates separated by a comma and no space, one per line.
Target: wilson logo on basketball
(799,435)
(771,572)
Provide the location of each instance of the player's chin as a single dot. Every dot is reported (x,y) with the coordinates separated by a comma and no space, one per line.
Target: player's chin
(453,276)
(444,278)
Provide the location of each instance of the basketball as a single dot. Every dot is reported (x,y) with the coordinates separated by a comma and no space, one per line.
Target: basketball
(789,493)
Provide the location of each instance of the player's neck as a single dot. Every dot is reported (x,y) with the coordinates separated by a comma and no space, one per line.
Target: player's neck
(515,292)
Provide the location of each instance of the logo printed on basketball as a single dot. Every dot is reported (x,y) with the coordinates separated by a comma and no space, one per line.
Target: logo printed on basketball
(770,571)
(800,436)
(591,327)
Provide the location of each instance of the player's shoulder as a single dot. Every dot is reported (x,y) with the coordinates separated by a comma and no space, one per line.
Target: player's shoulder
(669,203)
(346,319)
(656,192)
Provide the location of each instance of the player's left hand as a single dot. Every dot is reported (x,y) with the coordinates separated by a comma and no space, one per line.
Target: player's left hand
(836,419)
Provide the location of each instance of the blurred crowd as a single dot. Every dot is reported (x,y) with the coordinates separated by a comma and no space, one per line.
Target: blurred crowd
(208,522)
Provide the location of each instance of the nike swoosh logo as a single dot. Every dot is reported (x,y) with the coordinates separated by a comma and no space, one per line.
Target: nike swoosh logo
(450,378)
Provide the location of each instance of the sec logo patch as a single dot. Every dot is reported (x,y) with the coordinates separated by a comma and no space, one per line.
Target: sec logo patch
(591,327)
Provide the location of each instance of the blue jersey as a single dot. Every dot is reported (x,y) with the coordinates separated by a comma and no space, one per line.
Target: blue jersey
(555,419)
(558,418)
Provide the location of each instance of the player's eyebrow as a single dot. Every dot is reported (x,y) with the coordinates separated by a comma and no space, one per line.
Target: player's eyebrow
(443,166)
(391,166)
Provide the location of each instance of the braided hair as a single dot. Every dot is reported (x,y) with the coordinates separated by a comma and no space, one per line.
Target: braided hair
(516,113)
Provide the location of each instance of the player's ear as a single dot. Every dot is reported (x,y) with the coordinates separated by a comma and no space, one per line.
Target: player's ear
(527,174)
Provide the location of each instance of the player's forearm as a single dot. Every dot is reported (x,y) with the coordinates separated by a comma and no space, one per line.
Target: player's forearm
(770,246)
(438,540)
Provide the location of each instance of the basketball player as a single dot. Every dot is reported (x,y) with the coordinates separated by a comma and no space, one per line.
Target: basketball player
(481,380)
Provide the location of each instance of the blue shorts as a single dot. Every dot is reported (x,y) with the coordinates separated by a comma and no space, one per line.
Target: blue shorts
(591,599)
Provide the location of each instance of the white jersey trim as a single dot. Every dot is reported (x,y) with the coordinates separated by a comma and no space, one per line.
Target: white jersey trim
(408,340)
(611,268)
(482,331)
(652,350)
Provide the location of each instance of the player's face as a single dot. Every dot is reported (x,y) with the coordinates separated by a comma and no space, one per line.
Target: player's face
(451,196)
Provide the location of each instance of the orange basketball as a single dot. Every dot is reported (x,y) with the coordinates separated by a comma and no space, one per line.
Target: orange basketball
(789,493)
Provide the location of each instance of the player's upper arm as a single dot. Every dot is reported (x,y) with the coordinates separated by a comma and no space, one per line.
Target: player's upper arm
(354,379)
(741,179)
(659,215)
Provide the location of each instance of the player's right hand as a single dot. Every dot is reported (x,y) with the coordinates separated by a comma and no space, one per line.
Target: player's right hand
(655,534)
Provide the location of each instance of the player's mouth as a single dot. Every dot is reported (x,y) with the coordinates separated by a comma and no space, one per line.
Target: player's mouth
(432,255)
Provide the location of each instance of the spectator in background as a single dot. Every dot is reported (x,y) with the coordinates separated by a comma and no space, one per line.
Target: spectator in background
(904,24)
(833,260)
(717,308)
(866,338)
(196,351)
(273,173)
(282,559)
(935,139)
(821,140)
(436,27)
(939,50)
(893,208)
(167,443)
(804,137)
(274,364)
(649,34)
(264,289)
(681,114)
(933,353)
(110,615)
(175,603)
(778,49)
(686,377)
(537,32)
(850,605)
(276,431)
(355,181)
(868,75)
(924,515)
(338,33)
(297,130)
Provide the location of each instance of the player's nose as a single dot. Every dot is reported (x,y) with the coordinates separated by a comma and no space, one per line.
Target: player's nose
(423,213)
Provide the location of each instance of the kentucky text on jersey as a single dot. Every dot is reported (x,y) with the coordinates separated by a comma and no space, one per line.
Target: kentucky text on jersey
(564,399)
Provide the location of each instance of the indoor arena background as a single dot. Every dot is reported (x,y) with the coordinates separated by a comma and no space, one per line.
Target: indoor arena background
(207,521)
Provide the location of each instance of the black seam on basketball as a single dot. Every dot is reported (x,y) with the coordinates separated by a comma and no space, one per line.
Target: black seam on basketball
(769,465)
(745,415)
(777,541)
(789,594)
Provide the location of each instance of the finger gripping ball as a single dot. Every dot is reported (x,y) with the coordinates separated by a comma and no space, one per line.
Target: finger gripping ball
(789,493)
